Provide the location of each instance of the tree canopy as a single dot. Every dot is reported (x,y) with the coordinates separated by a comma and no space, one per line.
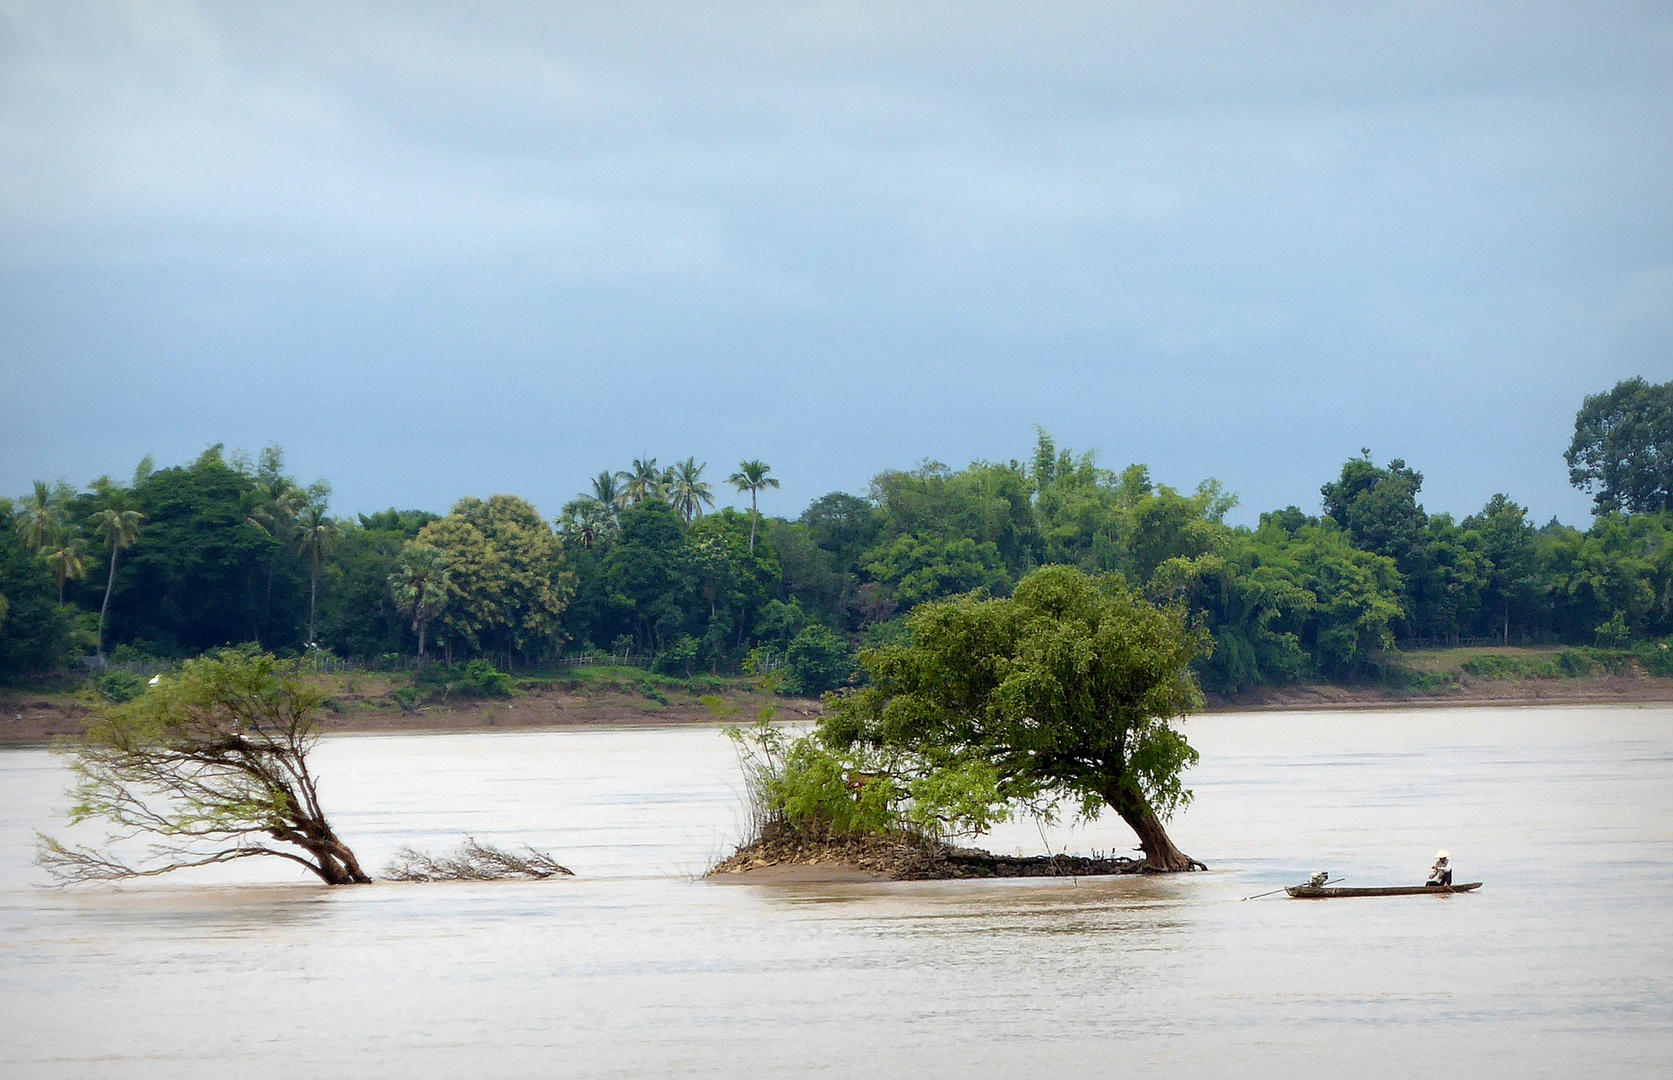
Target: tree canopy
(232,550)
(1623,448)
(1067,689)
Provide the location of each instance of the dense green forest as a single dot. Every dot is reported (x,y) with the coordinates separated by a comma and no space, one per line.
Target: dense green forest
(231,549)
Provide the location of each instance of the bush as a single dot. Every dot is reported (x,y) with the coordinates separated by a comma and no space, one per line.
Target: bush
(678,658)
(1655,657)
(1497,666)
(479,678)
(1574,664)
(816,661)
(117,686)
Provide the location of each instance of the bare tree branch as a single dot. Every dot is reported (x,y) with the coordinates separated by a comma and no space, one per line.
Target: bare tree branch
(473,862)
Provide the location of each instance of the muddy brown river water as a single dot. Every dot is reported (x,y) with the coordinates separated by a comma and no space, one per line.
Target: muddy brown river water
(1562,965)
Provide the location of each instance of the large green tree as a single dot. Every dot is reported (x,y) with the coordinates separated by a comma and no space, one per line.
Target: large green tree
(1068,689)
(1622,450)
(508,585)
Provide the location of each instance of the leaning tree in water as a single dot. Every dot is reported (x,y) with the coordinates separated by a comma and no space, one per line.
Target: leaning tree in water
(210,765)
(1064,692)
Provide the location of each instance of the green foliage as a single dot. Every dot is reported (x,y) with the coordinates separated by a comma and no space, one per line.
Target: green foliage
(117,686)
(805,785)
(1564,664)
(923,569)
(478,678)
(506,585)
(1065,690)
(230,550)
(816,660)
(212,763)
(1655,657)
(963,797)
(1623,448)
(35,631)
(679,657)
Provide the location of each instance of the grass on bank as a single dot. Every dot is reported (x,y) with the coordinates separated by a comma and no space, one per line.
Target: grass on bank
(1435,671)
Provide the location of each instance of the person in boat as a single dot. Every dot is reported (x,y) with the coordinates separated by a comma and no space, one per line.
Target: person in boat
(1440,875)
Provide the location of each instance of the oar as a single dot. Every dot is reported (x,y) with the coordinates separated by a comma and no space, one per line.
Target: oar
(1274,892)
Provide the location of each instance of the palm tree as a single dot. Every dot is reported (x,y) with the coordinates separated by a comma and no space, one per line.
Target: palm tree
(42,515)
(687,491)
(752,477)
(420,585)
(607,492)
(644,481)
(316,533)
(68,562)
(271,506)
(118,529)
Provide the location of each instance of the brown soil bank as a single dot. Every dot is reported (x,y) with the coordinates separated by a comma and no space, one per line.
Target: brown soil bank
(906,857)
(37,718)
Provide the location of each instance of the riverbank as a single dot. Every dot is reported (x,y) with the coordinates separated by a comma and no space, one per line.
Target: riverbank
(371,703)
(1623,689)
(366,704)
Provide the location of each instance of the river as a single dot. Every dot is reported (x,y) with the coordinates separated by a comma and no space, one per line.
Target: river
(1561,965)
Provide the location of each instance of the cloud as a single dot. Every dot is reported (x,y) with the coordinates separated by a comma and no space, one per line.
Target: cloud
(1240,240)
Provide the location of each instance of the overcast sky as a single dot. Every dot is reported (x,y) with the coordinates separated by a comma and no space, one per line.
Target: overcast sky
(448,249)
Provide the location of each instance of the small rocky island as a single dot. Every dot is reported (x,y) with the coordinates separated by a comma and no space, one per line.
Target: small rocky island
(901,855)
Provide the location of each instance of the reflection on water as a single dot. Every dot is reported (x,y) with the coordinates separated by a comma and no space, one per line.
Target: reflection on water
(1561,965)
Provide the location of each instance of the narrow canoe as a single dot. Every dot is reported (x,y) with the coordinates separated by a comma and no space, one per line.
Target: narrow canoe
(1327,892)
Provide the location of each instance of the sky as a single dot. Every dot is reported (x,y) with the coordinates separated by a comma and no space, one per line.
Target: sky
(437,250)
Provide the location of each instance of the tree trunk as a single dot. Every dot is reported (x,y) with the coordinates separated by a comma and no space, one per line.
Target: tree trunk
(753,515)
(337,864)
(1160,856)
(419,626)
(333,861)
(313,591)
(110,583)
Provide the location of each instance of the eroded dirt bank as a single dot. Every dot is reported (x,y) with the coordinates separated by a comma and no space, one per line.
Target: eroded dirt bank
(37,718)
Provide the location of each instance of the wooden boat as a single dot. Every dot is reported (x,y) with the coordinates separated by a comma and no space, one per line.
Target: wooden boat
(1330,892)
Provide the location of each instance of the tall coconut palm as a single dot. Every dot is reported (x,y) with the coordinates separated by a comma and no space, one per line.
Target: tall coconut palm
(118,529)
(68,561)
(420,584)
(272,506)
(42,515)
(644,481)
(687,491)
(608,491)
(752,477)
(315,536)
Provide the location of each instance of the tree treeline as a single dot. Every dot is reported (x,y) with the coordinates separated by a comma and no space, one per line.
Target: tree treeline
(229,549)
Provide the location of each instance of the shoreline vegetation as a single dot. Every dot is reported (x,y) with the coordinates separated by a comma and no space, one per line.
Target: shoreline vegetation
(370,702)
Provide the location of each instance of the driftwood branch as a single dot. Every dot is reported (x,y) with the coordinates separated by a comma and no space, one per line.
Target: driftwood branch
(473,862)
